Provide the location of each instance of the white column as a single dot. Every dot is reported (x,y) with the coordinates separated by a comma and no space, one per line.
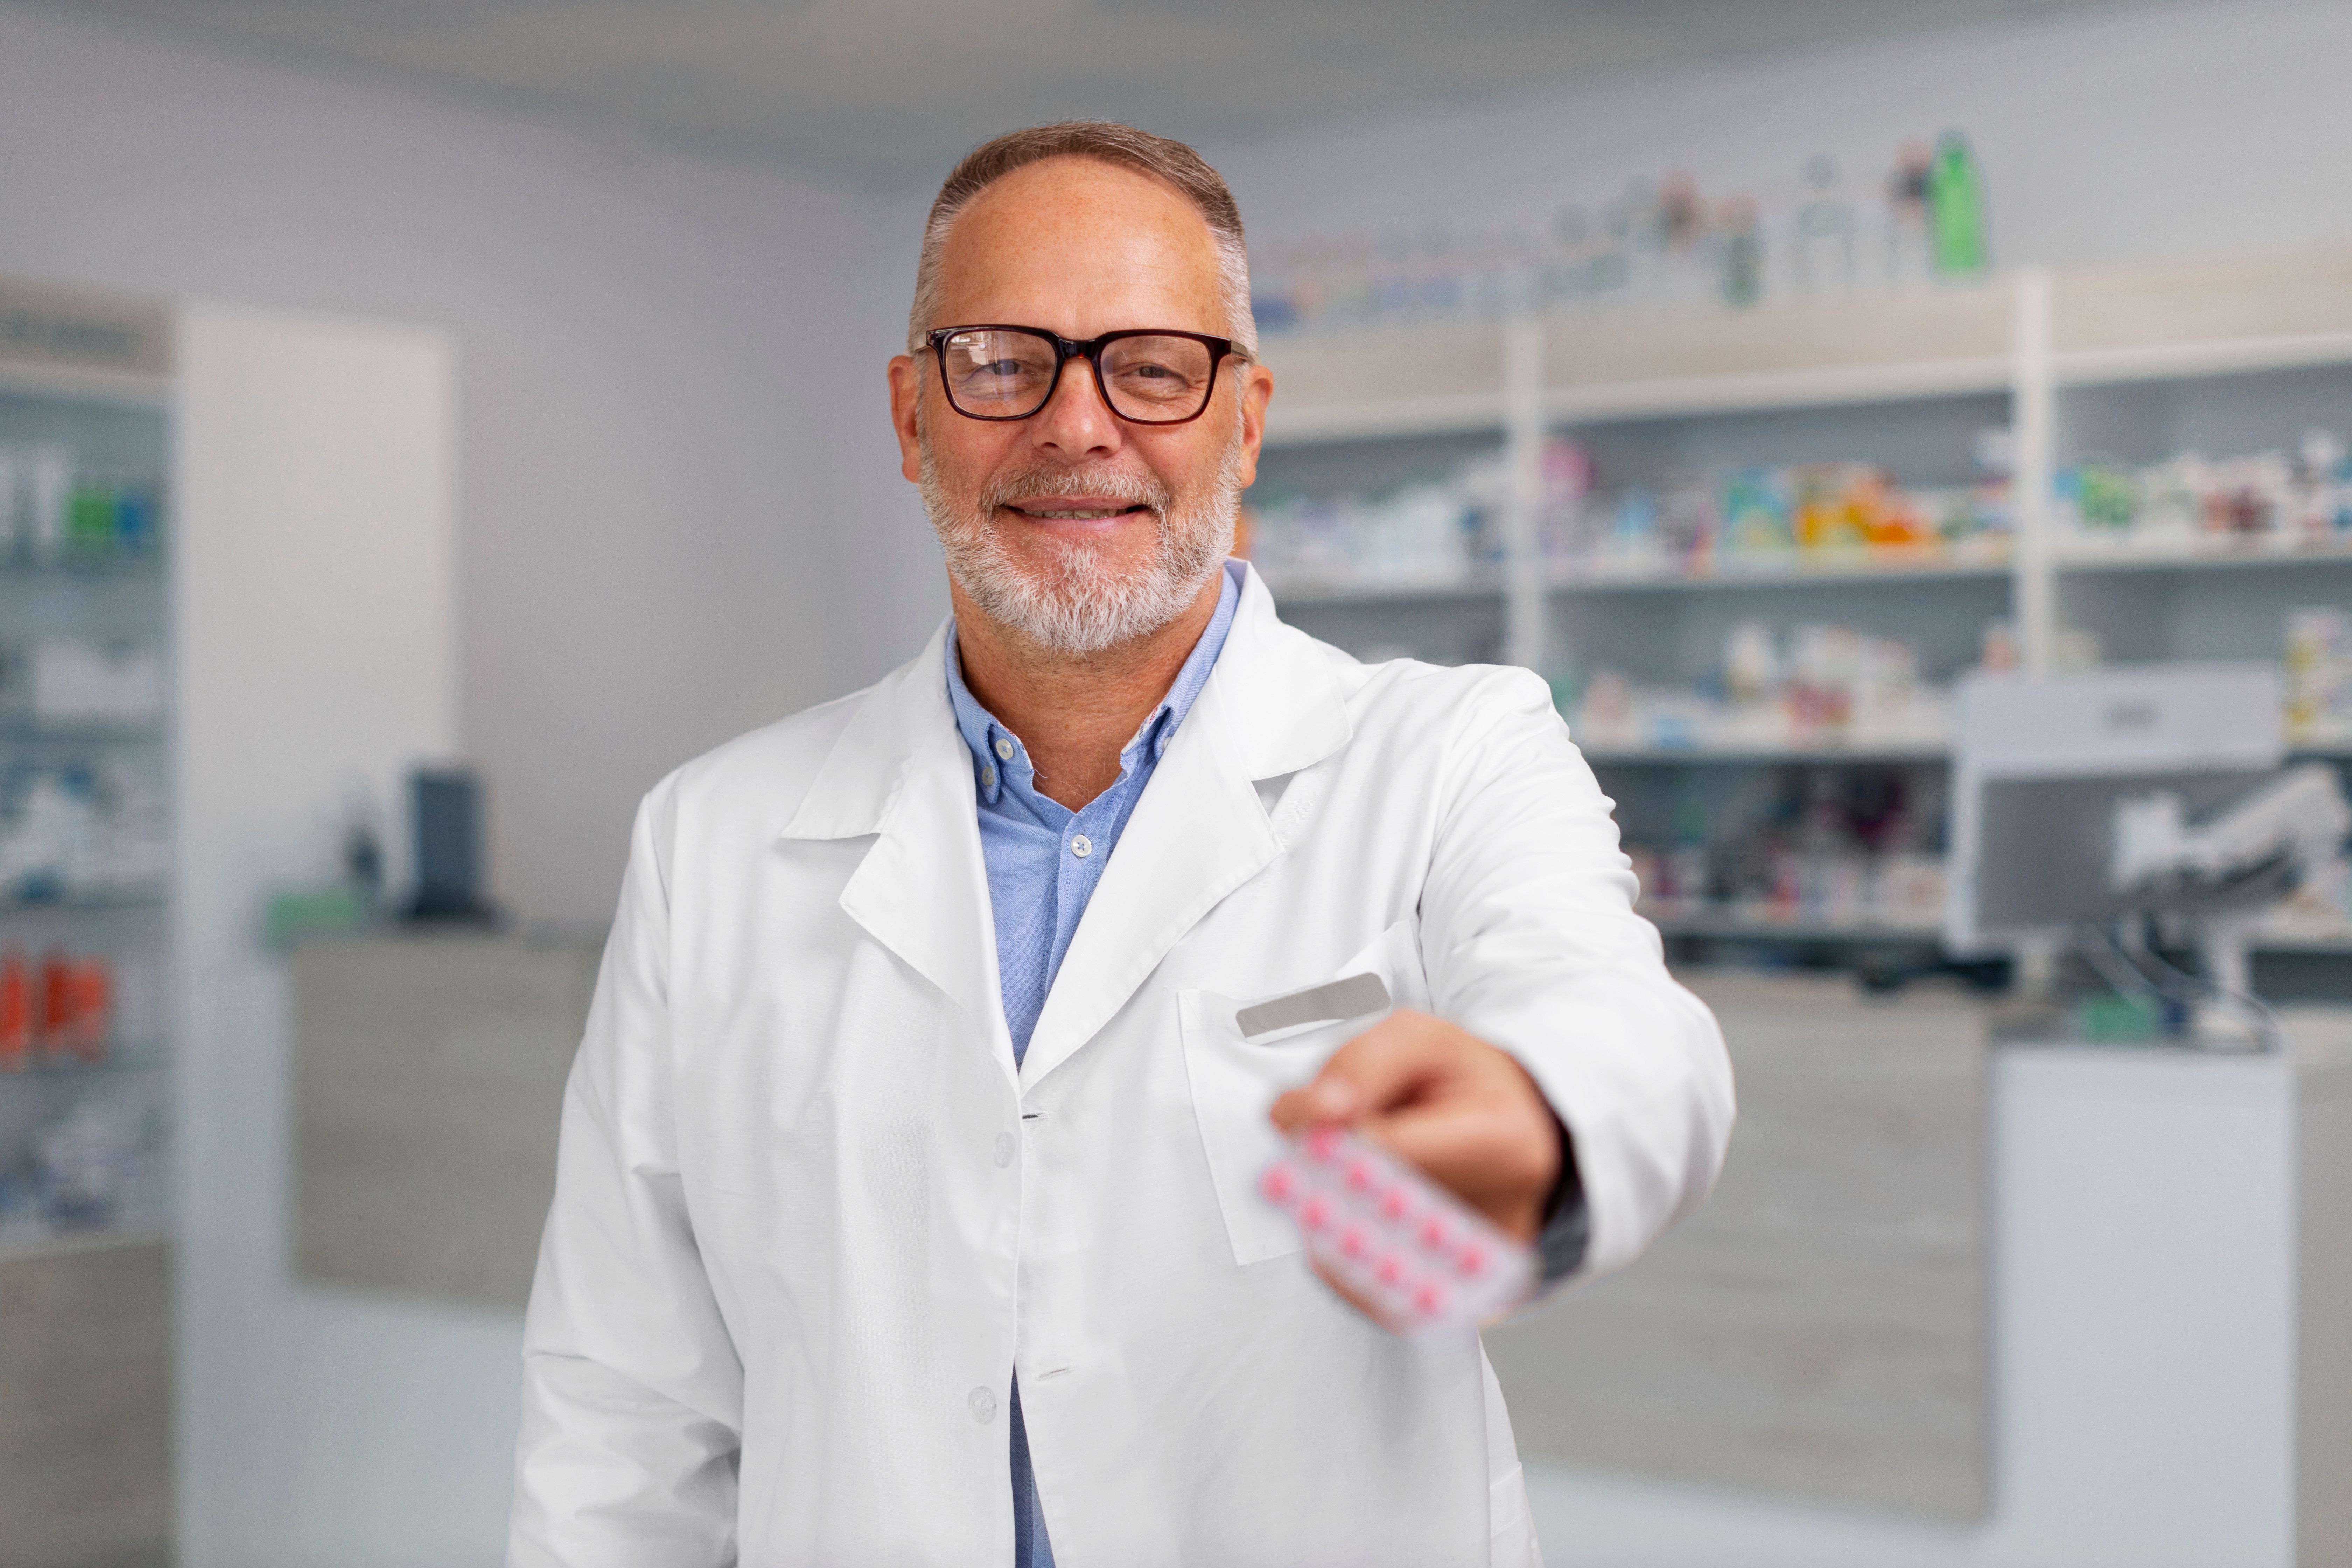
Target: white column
(1523,436)
(2033,415)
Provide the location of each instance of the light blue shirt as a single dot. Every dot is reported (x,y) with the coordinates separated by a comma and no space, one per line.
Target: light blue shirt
(1043,863)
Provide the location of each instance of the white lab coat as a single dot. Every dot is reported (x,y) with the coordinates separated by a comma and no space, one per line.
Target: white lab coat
(810,1216)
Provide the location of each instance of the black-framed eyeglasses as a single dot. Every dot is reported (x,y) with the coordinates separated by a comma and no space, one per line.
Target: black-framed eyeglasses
(1145,376)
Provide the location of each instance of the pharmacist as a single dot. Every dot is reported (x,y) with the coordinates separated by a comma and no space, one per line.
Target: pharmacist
(904,1211)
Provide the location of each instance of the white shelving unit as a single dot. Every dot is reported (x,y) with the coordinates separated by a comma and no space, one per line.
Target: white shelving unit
(85,1029)
(2055,356)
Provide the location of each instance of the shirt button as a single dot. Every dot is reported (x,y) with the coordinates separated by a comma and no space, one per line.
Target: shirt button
(1003,750)
(1003,1150)
(1082,847)
(983,1404)
(988,778)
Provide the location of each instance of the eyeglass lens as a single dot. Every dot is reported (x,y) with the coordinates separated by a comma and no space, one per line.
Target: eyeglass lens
(1003,374)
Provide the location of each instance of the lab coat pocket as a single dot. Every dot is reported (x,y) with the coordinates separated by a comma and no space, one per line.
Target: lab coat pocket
(1241,1054)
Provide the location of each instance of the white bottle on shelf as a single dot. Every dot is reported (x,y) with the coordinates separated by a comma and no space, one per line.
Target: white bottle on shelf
(50,492)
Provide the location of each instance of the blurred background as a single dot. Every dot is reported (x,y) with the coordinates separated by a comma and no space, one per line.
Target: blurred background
(1911,438)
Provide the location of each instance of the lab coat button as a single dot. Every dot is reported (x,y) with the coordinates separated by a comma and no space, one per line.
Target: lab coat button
(984,1405)
(1003,1150)
(1082,847)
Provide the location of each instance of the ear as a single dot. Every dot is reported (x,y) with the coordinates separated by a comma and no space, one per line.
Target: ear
(906,401)
(1256,387)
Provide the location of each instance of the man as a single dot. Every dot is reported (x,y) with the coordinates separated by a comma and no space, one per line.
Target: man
(905,1208)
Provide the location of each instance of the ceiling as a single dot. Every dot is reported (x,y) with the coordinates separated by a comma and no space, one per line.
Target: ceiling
(890,90)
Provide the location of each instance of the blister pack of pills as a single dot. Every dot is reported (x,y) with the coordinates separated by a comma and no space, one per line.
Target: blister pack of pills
(1421,1255)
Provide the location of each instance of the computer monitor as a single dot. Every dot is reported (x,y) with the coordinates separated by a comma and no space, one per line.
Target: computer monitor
(2041,762)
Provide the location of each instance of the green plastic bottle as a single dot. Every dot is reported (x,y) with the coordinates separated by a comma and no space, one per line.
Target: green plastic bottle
(1956,210)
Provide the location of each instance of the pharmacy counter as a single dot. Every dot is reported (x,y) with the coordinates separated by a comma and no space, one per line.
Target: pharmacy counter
(2123,1333)
(428,1084)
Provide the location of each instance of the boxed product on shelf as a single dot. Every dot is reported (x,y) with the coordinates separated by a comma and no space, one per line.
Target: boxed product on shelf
(1699,521)
(57,1007)
(1835,888)
(1831,686)
(77,679)
(2319,676)
(51,510)
(101,1163)
(1438,530)
(2190,503)
(80,831)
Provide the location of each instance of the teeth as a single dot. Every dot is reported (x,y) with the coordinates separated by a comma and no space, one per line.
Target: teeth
(1085,516)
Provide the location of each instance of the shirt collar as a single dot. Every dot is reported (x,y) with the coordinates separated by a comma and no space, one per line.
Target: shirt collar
(989,742)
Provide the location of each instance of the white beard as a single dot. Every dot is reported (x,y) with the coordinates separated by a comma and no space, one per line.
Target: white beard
(1077,602)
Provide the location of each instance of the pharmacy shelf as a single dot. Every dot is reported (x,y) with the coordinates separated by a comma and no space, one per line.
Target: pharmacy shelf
(1763,756)
(1338,594)
(86,903)
(1922,753)
(2072,559)
(1370,421)
(1768,391)
(19,1245)
(143,565)
(127,1064)
(1641,365)
(98,732)
(1835,570)
(73,384)
(2180,362)
(2221,316)
(1725,925)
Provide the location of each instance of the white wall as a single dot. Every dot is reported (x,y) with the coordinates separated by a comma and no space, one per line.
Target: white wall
(313,597)
(680,511)
(2130,132)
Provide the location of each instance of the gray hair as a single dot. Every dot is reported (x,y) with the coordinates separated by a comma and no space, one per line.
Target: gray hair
(1105,142)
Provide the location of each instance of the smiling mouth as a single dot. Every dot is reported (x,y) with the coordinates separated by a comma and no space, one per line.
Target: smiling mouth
(1077,514)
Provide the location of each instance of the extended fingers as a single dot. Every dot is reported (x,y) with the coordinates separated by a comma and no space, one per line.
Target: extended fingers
(1389,1065)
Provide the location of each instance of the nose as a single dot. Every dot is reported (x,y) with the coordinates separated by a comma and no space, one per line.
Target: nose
(1075,423)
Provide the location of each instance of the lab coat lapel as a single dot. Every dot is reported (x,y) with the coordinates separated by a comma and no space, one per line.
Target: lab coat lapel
(900,772)
(1271,707)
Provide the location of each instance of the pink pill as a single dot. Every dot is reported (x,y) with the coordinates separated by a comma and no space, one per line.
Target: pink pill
(1392,1269)
(1316,1212)
(1473,1259)
(1359,1175)
(1323,1143)
(1352,1242)
(1433,1234)
(1394,1203)
(1278,1183)
(1429,1299)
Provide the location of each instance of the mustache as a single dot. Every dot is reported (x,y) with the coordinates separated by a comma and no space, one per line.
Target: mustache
(1119,484)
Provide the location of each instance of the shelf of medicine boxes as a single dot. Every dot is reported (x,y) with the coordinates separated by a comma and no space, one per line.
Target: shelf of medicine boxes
(2237,317)
(2030,335)
(1523,376)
